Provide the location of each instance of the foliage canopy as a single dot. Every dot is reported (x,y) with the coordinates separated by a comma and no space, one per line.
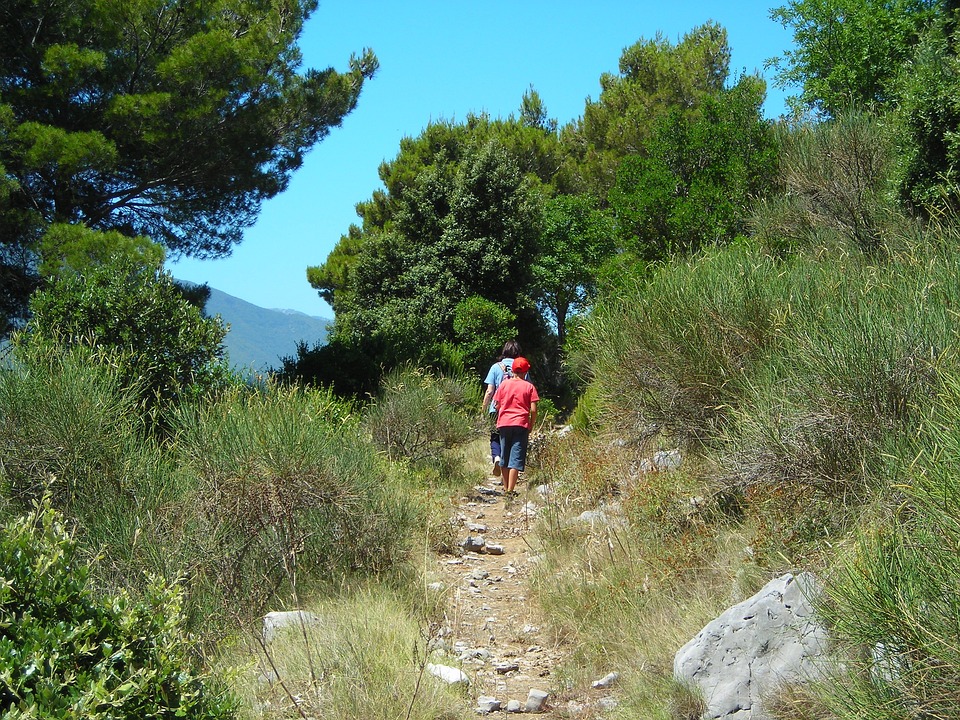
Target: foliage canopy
(170,120)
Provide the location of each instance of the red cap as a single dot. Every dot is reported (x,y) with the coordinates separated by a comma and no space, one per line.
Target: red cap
(521,366)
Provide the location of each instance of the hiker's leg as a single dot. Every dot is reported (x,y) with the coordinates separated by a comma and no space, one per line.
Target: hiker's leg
(514,448)
(494,438)
(518,456)
(511,476)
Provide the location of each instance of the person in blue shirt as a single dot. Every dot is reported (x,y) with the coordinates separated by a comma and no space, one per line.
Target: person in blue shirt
(498,371)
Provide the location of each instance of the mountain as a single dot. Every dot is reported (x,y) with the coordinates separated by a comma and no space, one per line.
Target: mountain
(258,337)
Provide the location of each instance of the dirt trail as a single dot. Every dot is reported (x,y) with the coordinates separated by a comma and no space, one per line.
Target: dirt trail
(492,622)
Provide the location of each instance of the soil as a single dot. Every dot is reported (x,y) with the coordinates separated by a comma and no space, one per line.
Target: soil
(493,624)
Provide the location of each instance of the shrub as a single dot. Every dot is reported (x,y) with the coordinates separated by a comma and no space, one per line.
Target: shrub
(836,177)
(344,368)
(66,653)
(418,416)
(671,355)
(65,417)
(859,350)
(162,344)
(69,428)
(285,490)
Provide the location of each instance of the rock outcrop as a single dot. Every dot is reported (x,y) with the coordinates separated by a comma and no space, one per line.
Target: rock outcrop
(741,658)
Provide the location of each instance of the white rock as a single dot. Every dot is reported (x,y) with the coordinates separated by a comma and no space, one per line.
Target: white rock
(607,680)
(486,704)
(608,703)
(740,659)
(536,699)
(592,517)
(546,491)
(274,622)
(449,675)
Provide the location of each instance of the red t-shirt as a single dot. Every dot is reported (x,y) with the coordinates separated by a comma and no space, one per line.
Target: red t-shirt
(514,398)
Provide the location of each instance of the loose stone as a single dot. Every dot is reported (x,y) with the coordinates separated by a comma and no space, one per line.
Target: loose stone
(607,680)
(487,704)
(536,700)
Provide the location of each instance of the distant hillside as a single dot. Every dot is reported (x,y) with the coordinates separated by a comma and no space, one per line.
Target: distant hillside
(258,337)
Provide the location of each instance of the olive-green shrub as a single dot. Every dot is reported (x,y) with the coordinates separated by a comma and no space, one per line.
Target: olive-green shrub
(67,653)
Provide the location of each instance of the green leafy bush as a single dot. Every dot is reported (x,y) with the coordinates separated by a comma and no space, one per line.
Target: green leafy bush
(67,653)
(482,327)
(163,345)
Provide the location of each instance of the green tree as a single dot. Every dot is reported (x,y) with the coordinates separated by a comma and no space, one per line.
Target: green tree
(533,112)
(77,248)
(655,76)
(695,179)
(419,180)
(481,327)
(849,52)
(459,231)
(927,122)
(168,119)
(136,313)
(576,239)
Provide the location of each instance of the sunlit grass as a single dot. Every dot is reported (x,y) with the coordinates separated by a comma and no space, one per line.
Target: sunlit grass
(365,659)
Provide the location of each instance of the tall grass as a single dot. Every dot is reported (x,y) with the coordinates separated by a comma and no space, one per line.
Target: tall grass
(626,593)
(861,346)
(365,659)
(799,375)
(67,428)
(837,189)
(892,602)
(818,432)
(286,495)
(672,355)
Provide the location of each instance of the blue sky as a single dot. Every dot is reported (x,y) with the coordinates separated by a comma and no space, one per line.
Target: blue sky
(441,60)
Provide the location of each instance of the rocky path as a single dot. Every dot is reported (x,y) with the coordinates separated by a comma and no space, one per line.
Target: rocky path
(493,625)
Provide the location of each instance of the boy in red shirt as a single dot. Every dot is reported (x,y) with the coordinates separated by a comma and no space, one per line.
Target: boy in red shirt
(516,401)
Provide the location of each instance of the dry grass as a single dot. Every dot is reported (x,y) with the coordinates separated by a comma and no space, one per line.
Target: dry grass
(364,659)
(630,591)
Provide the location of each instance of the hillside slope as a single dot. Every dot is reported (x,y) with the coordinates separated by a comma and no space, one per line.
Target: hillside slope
(259,337)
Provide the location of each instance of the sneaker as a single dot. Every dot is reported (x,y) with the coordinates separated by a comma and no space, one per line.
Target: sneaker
(496,466)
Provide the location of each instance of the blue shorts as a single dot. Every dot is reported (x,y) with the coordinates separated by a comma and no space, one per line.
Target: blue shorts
(513,445)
